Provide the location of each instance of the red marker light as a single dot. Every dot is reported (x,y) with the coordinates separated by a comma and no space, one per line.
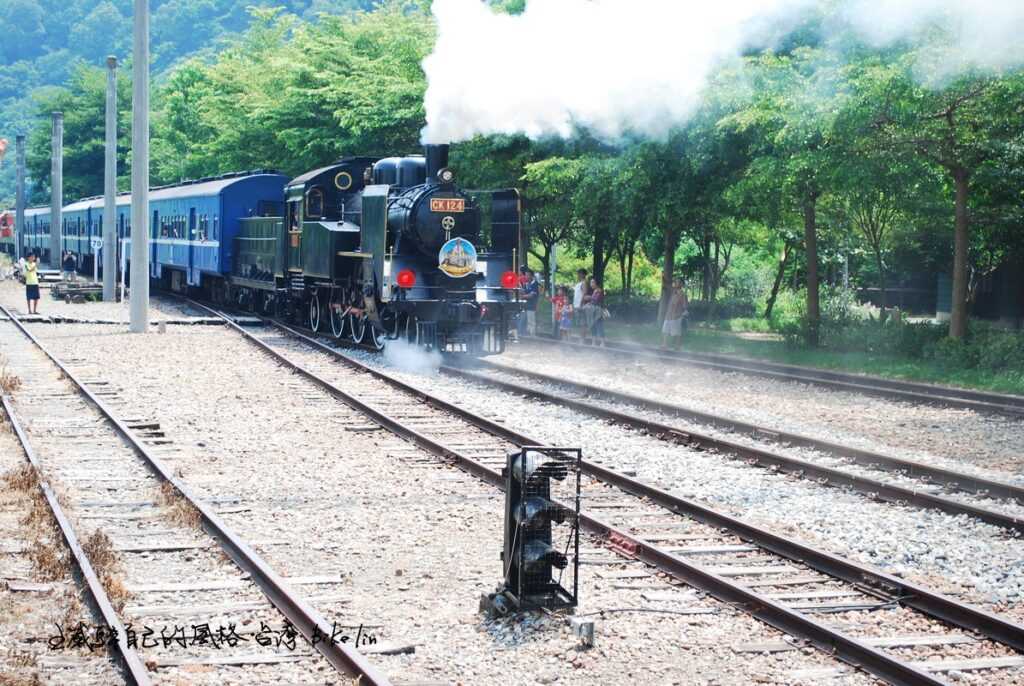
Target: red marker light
(509,280)
(406,278)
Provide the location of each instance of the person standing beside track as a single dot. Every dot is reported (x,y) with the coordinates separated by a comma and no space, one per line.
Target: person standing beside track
(68,266)
(579,292)
(675,316)
(32,284)
(595,312)
(531,291)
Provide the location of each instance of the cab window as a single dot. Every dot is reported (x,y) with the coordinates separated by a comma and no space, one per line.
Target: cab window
(315,203)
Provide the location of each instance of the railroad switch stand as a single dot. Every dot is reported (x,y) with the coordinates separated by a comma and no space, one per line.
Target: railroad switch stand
(541,533)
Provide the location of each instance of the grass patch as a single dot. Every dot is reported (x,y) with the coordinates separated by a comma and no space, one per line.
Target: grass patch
(179,510)
(9,381)
(100,551)
(22,479)
(17,680)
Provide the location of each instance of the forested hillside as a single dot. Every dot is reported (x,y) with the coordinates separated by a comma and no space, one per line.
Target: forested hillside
(45,41)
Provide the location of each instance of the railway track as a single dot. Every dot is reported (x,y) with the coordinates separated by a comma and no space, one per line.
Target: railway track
(925,486)
(931,487)
(910,391)
(192,593)
(783,582)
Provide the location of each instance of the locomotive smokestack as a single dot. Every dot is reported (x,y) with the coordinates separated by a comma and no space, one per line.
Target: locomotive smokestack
(437,159)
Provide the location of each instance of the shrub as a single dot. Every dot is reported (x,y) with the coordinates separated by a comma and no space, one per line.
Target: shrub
(998,350)
(634,310)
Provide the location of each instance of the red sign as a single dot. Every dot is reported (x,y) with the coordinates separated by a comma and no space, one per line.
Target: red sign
(447,204)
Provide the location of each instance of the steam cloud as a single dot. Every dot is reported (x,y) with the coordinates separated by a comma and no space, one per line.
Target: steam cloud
(411,358)
(639,66)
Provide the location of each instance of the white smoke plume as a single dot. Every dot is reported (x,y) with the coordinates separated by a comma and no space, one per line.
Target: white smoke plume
(616,67)
(975,34)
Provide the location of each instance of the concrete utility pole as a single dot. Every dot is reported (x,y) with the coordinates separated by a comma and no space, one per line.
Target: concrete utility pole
(110,188)
(19,198)
(140,171)
(56,188)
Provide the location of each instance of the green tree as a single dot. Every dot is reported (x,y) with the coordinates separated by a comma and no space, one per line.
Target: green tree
(794,109)
(549,217)
(960,128)
(83,103)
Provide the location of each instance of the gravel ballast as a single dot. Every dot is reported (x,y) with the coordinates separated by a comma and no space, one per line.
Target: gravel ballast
(416,544)
(957,555)
(957,438)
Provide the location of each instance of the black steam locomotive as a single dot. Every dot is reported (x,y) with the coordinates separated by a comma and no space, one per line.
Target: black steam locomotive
(385,249)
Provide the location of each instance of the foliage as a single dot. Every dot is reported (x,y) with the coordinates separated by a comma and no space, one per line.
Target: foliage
(83,103)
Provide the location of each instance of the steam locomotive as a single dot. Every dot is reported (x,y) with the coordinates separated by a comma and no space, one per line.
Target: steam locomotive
(379,249)
(369,249)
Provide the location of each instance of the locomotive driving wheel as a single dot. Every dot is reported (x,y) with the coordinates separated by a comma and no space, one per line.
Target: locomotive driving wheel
(357,327)
(314,312)
(375,338)
(338,319)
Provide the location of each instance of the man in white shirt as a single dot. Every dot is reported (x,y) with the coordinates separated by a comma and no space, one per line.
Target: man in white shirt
(580,289)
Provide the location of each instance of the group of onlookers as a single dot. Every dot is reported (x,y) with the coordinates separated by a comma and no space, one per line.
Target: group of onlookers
(578,312)
(578,315)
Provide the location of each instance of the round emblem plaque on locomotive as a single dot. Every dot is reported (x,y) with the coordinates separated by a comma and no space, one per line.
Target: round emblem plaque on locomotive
(457,258)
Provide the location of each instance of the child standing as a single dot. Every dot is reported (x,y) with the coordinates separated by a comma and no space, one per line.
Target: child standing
(559,305)
(565,317)
(32,284)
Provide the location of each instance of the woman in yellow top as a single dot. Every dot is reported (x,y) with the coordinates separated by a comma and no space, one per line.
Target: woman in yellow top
(32,284)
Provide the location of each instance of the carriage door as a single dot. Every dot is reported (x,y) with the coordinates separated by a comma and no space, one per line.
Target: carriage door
(191,238)
(154,234)
(295,235)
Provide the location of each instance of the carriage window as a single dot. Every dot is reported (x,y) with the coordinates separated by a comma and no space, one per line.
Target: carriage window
(315,203)
(215,232)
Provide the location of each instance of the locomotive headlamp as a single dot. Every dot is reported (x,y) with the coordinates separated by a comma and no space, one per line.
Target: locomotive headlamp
(509,280)
(406,278)
(446,175)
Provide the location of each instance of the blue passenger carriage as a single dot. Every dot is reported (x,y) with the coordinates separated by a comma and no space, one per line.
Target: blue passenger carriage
(193,226)
(75,220)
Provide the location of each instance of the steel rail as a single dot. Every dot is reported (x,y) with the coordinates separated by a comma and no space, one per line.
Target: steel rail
(871,487)
(768,610)
(958,480)
(928,394)
(307,620)
(131,665)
